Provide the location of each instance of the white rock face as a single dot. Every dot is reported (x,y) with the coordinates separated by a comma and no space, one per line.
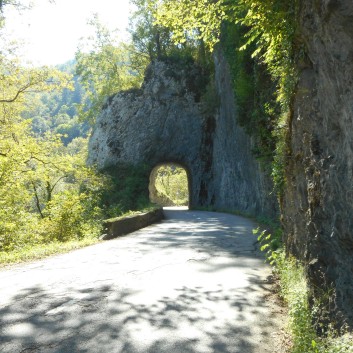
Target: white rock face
(168,121)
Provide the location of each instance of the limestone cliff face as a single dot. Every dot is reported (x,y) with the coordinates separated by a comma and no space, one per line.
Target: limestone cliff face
(239,181)
(170,120)
(318,202)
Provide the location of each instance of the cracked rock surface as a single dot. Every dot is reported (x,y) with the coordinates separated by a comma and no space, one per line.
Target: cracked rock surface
(194,283)
(175,118)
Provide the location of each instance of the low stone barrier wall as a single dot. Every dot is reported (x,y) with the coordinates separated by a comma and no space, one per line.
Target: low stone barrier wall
(114,228)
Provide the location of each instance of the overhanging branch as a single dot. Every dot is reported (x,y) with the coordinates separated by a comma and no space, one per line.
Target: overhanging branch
(20,91)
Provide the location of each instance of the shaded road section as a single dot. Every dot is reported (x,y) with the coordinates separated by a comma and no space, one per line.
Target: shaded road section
(194,283)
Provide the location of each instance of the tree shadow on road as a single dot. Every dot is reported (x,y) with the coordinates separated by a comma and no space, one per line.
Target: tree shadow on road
(214,235)
(117,318)
(105,319)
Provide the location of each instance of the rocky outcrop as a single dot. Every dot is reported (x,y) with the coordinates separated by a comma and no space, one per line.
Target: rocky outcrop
(318,201)
(174,118)
(162,122)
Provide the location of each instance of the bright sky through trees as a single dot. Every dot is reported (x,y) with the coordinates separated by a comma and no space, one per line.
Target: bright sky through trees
(52,29)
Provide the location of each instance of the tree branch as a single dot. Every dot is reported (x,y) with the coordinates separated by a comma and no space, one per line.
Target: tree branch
(37,200)
(20,91)
(56,183)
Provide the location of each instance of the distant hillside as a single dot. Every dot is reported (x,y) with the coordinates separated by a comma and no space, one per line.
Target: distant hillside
(57,111)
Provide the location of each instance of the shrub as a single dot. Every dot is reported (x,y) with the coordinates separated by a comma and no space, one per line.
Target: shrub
(295,292)
(125,189)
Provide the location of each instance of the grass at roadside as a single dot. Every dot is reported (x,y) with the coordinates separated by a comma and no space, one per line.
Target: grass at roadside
(37,252)
(40,251)
(294,290)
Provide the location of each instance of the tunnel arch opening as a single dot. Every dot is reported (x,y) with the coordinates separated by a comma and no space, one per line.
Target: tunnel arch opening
(169,185)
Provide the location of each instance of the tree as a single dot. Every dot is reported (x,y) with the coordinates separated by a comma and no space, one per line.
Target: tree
(39,177)
(186,19)
(56,111)
(270,24)
(17,81)
(103,67)
(153,40)
(149,38)
(46,191)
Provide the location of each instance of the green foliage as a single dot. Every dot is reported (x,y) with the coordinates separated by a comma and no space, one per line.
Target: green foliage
(153,40)
(149,39)
(294,290)
(125,189)
(272,30)
(171,183)
(46,192)
(272,27)
(43,193)
(306,335)
(269,30)
(280,159)
(271,242)
(71,216)
(197,19)
(56,111)
(104,68)
(254,93)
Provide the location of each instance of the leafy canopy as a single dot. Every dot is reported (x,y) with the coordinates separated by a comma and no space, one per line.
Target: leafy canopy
(103,67)
(41,180)
(270,32)
(271,26)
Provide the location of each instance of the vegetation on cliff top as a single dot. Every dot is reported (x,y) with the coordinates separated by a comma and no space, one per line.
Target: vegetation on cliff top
(260,43)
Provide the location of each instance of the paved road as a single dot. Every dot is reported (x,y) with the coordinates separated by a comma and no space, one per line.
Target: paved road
(191,284)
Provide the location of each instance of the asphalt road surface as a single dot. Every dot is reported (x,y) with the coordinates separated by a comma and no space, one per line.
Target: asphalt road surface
(194,283)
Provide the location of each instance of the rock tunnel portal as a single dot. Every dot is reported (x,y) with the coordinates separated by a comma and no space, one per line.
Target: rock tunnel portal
(170,119)
(169,185)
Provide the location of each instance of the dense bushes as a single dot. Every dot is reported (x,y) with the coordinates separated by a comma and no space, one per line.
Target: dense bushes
(294,290)
(47,193)
(125,189)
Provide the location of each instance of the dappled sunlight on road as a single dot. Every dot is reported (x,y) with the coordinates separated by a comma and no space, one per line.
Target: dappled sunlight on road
(194,283)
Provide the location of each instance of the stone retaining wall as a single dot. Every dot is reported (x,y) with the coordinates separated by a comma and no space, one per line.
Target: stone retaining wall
(114,228)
